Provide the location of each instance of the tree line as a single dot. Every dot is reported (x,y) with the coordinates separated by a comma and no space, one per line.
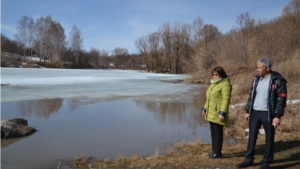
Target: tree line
(46,39)
(240,48)
(198,47)
(174,48)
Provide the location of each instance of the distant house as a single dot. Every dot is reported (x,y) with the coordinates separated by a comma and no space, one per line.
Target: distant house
(143,66)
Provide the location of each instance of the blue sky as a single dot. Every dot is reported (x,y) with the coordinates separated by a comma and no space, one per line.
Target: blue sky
(107,24)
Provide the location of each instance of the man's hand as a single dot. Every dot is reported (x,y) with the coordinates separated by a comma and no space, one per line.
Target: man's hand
(276,122)
(203,113)
(247,117)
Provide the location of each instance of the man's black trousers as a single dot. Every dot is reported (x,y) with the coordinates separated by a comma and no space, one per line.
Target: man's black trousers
(257,119)
(216,131)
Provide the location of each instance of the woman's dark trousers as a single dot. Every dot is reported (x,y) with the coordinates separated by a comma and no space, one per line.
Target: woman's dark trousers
(257,119)
(216,131)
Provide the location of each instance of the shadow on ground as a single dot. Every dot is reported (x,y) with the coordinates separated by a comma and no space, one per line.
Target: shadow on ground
(287,154)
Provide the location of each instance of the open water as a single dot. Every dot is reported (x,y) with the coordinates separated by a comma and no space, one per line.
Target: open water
(102,113)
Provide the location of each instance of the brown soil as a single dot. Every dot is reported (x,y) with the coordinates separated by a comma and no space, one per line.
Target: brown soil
(195,155)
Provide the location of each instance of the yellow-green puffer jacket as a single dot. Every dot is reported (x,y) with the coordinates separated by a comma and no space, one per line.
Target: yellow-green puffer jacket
(217,101)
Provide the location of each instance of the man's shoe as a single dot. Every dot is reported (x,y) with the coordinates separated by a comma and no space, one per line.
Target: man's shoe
(210,154)
(244,164)
(215,155)
(264,167)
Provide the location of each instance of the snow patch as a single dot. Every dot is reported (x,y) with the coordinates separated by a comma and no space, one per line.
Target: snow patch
(243,104)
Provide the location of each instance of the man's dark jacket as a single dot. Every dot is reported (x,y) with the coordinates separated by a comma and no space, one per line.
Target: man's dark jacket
(277,95)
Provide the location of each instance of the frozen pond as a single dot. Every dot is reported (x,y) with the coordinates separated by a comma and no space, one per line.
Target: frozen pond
(102,113)
(31,84)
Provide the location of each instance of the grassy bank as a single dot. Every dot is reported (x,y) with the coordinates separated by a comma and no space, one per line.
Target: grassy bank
(194,154)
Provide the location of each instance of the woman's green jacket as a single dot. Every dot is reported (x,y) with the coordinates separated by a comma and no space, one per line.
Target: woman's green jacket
(217,101)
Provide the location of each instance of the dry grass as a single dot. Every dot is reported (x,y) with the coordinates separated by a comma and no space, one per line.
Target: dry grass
(185,155)
(241,83)
(194,155)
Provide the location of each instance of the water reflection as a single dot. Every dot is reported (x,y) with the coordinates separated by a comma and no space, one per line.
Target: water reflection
(7,142)
(200,98)
(76,102)
(41,108)
(102,129)
(185,111)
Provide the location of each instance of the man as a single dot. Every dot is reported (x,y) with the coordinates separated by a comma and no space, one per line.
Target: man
(265,107)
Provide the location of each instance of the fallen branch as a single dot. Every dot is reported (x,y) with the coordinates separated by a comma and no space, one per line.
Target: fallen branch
(58,165)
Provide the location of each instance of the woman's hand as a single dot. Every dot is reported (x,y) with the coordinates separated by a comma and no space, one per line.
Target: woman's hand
(221,118)
(203,113)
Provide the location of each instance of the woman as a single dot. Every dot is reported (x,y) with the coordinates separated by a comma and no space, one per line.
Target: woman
(216,108)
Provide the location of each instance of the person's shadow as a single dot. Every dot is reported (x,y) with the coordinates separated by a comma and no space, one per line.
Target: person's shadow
(291,161)
(294,158)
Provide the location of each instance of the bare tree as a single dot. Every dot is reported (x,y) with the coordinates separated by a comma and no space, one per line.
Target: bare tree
(208,33)
(104,59)
(31,35)
(94,55)
(76,42)
(57,38)
(43,34)
(24,35)
(293,8)
(246,23)
(154,50)
(196,28)
(40,36)
(166,34)
(149,47)
(164,50)
(120,57)
(292,12)
(61,41)
(142,46)
(180,45)
(50,39)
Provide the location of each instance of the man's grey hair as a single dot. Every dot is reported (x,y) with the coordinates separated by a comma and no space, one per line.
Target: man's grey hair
(266,61)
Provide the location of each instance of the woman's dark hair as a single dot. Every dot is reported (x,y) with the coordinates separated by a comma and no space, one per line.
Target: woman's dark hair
(220,71)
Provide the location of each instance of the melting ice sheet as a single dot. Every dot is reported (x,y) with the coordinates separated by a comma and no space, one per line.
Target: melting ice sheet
(19,84)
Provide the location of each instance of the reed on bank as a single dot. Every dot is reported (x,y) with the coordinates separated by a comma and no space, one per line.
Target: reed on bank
(194,155)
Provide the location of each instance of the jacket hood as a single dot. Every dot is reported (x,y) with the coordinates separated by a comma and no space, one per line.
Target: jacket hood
(277,75)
